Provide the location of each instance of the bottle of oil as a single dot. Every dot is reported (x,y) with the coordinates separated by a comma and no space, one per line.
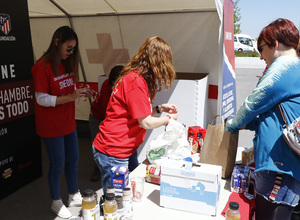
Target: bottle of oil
(119,200)
(97,207)
(233,212)
(110,207)
(110,189)
(127,203)
(88,205)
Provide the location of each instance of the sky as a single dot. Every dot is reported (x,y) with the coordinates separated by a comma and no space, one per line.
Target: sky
(256,14)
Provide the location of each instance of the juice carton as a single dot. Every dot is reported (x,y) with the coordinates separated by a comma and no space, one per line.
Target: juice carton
(119,178)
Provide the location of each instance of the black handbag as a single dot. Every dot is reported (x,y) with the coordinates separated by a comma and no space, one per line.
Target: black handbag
(291,133)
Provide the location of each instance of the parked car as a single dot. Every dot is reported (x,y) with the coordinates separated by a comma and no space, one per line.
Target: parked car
(243,42)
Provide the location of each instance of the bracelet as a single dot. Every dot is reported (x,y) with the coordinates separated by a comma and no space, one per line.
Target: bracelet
(157,109)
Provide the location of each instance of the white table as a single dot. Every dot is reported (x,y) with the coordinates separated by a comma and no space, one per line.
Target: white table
(149,209)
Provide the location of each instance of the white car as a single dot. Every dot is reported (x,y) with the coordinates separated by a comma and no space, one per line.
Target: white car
(243,42)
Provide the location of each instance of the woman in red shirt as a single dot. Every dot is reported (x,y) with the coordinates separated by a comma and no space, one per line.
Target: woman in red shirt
(98,109)
(129,112)
(54,77)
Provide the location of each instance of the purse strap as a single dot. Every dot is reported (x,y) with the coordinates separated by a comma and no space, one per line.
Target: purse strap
(282,114)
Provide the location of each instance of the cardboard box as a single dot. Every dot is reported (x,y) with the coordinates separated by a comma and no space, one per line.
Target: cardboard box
(193,188)
(247,156)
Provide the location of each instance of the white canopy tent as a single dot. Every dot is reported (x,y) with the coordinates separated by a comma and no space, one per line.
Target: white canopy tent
(111,31)
(191,27)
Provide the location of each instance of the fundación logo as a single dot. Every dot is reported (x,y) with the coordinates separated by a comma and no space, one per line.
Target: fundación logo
(5,26)
(5,23)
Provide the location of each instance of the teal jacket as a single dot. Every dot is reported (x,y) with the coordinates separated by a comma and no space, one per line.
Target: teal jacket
(259,112)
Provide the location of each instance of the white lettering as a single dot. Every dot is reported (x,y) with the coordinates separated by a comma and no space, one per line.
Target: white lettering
(2,115)
(228,36)
(8,38)
(66,83)
(170,190)
(18,108)
(226,95)
(6,160)
(15,94)
(3,131)
(8,71)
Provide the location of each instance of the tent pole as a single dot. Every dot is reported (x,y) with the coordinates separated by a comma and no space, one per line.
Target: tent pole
(72,26)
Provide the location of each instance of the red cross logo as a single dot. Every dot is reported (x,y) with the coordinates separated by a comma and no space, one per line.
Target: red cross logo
(106,55)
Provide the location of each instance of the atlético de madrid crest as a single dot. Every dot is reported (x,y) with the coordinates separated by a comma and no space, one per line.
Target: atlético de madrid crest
(5,24)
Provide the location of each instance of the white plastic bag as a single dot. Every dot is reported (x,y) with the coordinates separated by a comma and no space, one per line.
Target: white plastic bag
(172,144)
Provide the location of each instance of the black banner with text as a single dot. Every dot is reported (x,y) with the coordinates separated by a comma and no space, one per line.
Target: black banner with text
(20,147)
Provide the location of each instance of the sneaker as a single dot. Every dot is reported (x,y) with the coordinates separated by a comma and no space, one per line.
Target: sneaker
(75,200)
(60,209)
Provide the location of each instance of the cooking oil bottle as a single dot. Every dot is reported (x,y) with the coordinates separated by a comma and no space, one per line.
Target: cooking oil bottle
(233,212)
(88,205)
(110,207)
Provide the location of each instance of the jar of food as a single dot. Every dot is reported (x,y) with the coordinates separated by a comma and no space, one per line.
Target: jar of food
(110,207)
(233,212)
(88,205)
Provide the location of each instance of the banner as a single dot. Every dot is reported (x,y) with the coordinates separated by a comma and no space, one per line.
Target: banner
(228,106)
(20,147)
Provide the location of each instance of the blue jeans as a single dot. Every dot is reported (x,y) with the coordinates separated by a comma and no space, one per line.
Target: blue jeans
(133,162)
(63,153)
(289,191)
(105,163)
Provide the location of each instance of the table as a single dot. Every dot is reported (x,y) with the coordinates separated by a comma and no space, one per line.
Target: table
(149,209)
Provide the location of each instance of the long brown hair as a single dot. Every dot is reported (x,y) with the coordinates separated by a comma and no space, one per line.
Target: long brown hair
(154,63)
(53,56)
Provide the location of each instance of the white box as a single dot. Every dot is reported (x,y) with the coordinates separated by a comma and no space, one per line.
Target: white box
(191,98)
(194,190)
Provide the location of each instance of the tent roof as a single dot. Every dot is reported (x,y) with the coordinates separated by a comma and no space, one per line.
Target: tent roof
(47,8)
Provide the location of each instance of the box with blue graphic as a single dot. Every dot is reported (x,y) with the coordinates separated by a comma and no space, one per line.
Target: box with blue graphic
(119,178)
(189,188)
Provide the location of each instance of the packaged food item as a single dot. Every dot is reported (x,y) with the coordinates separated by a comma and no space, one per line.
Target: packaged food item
(89,205)
(119,200)
(247,156)
(153,174)
(196,136)
(119,178)
(240,179)
(97,207)
(110,189)
(127,203)
(110,207)
(233,212)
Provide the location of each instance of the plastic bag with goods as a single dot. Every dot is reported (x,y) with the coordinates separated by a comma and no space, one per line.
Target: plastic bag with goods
(171,144)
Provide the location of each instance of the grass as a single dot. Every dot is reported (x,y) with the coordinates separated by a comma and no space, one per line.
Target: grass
(246,54)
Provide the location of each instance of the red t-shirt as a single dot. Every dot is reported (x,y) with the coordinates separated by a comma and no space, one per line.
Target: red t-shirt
(59,120)
(120,133)
(98,107)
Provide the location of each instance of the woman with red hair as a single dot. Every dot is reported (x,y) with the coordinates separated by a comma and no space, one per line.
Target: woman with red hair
(276,165)
(129,111)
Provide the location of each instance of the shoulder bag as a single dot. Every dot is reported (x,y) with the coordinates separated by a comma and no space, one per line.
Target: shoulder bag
(291,133)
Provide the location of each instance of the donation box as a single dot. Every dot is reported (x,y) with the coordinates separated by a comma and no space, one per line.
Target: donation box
(193,188)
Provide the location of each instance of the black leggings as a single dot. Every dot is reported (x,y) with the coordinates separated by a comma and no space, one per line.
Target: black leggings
(266,210)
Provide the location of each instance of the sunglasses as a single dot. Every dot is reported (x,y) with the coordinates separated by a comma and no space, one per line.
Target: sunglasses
(260,49)
(69,49)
